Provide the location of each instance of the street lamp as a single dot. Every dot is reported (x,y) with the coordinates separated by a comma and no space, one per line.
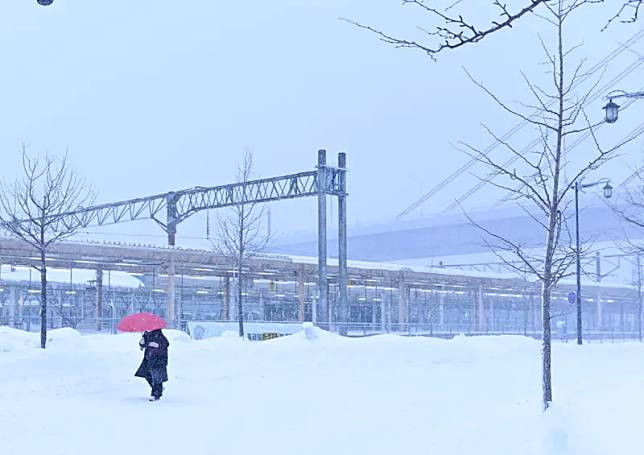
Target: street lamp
(612,108)
(612,111)
(45,2)
(608,193)
(608,190)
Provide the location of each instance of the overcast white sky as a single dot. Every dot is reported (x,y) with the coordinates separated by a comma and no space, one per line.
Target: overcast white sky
(151,96)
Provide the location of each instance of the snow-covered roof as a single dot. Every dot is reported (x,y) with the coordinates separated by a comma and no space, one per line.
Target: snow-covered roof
(22,274)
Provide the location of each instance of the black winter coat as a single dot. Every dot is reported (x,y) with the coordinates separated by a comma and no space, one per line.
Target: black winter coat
(155,359)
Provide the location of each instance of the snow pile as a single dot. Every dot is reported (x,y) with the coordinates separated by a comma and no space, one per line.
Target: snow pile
(14,339)
(318,393)
(64,339)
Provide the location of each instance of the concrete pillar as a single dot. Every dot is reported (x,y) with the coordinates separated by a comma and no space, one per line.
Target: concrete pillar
(480,310)
(300,294)
(383,314)
(600,310)
(374,320)
(526,314)
(99,299)
(21,305)
(420,301)
(170,293)
(402,303)
(227,298)
(388,312)
(441,309)
(536,315)
(491,323)
(13,306)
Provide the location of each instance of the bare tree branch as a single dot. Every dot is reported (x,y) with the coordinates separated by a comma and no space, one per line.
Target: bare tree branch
(32,209)
(453,26)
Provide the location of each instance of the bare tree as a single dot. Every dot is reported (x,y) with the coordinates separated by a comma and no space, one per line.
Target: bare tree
(61,301)
(240,234)
(540,187)
(451,24)
(629,208)
(32,209)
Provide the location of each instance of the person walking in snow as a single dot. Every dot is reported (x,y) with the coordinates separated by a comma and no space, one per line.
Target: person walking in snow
(155,361)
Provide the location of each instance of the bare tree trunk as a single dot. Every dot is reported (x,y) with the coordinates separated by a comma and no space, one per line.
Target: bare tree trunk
(43,300)
(546,291)
(553,225)
(546,348)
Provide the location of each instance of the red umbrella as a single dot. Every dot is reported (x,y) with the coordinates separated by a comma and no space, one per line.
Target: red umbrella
(141,322)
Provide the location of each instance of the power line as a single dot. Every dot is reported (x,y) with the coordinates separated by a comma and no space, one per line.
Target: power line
(598,94)
(514,130)
(576,143)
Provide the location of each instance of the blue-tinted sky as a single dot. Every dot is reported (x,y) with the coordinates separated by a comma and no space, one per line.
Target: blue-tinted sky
(149,96)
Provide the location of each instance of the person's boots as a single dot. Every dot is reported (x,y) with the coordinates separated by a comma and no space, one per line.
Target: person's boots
(157,391)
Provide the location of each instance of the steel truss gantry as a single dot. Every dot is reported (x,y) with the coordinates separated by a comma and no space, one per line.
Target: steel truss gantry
(172,208)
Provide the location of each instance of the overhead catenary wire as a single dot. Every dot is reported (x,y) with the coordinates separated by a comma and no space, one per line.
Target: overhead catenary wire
(636,37)
(572,146)
(597,95)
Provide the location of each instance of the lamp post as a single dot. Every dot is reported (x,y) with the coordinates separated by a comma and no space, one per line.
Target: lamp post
(612,109)
(608,193)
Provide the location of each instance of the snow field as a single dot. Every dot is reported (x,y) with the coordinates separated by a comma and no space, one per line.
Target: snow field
(317,393)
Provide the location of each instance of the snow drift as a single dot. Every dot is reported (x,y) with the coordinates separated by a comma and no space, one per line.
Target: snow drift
(317,393)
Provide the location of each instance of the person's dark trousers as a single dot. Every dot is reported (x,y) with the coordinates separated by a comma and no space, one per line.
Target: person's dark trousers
(157,389)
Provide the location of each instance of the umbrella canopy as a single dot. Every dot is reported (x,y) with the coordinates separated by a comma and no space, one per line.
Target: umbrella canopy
(141,322)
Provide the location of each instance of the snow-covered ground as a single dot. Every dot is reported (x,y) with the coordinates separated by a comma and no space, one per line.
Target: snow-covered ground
(316,393)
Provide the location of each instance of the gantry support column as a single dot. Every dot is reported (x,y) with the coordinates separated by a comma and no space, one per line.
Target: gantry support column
(343,281)
(171,227)
(320,308)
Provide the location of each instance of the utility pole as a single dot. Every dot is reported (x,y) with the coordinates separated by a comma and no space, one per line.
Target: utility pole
(578,254)
(608,193)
